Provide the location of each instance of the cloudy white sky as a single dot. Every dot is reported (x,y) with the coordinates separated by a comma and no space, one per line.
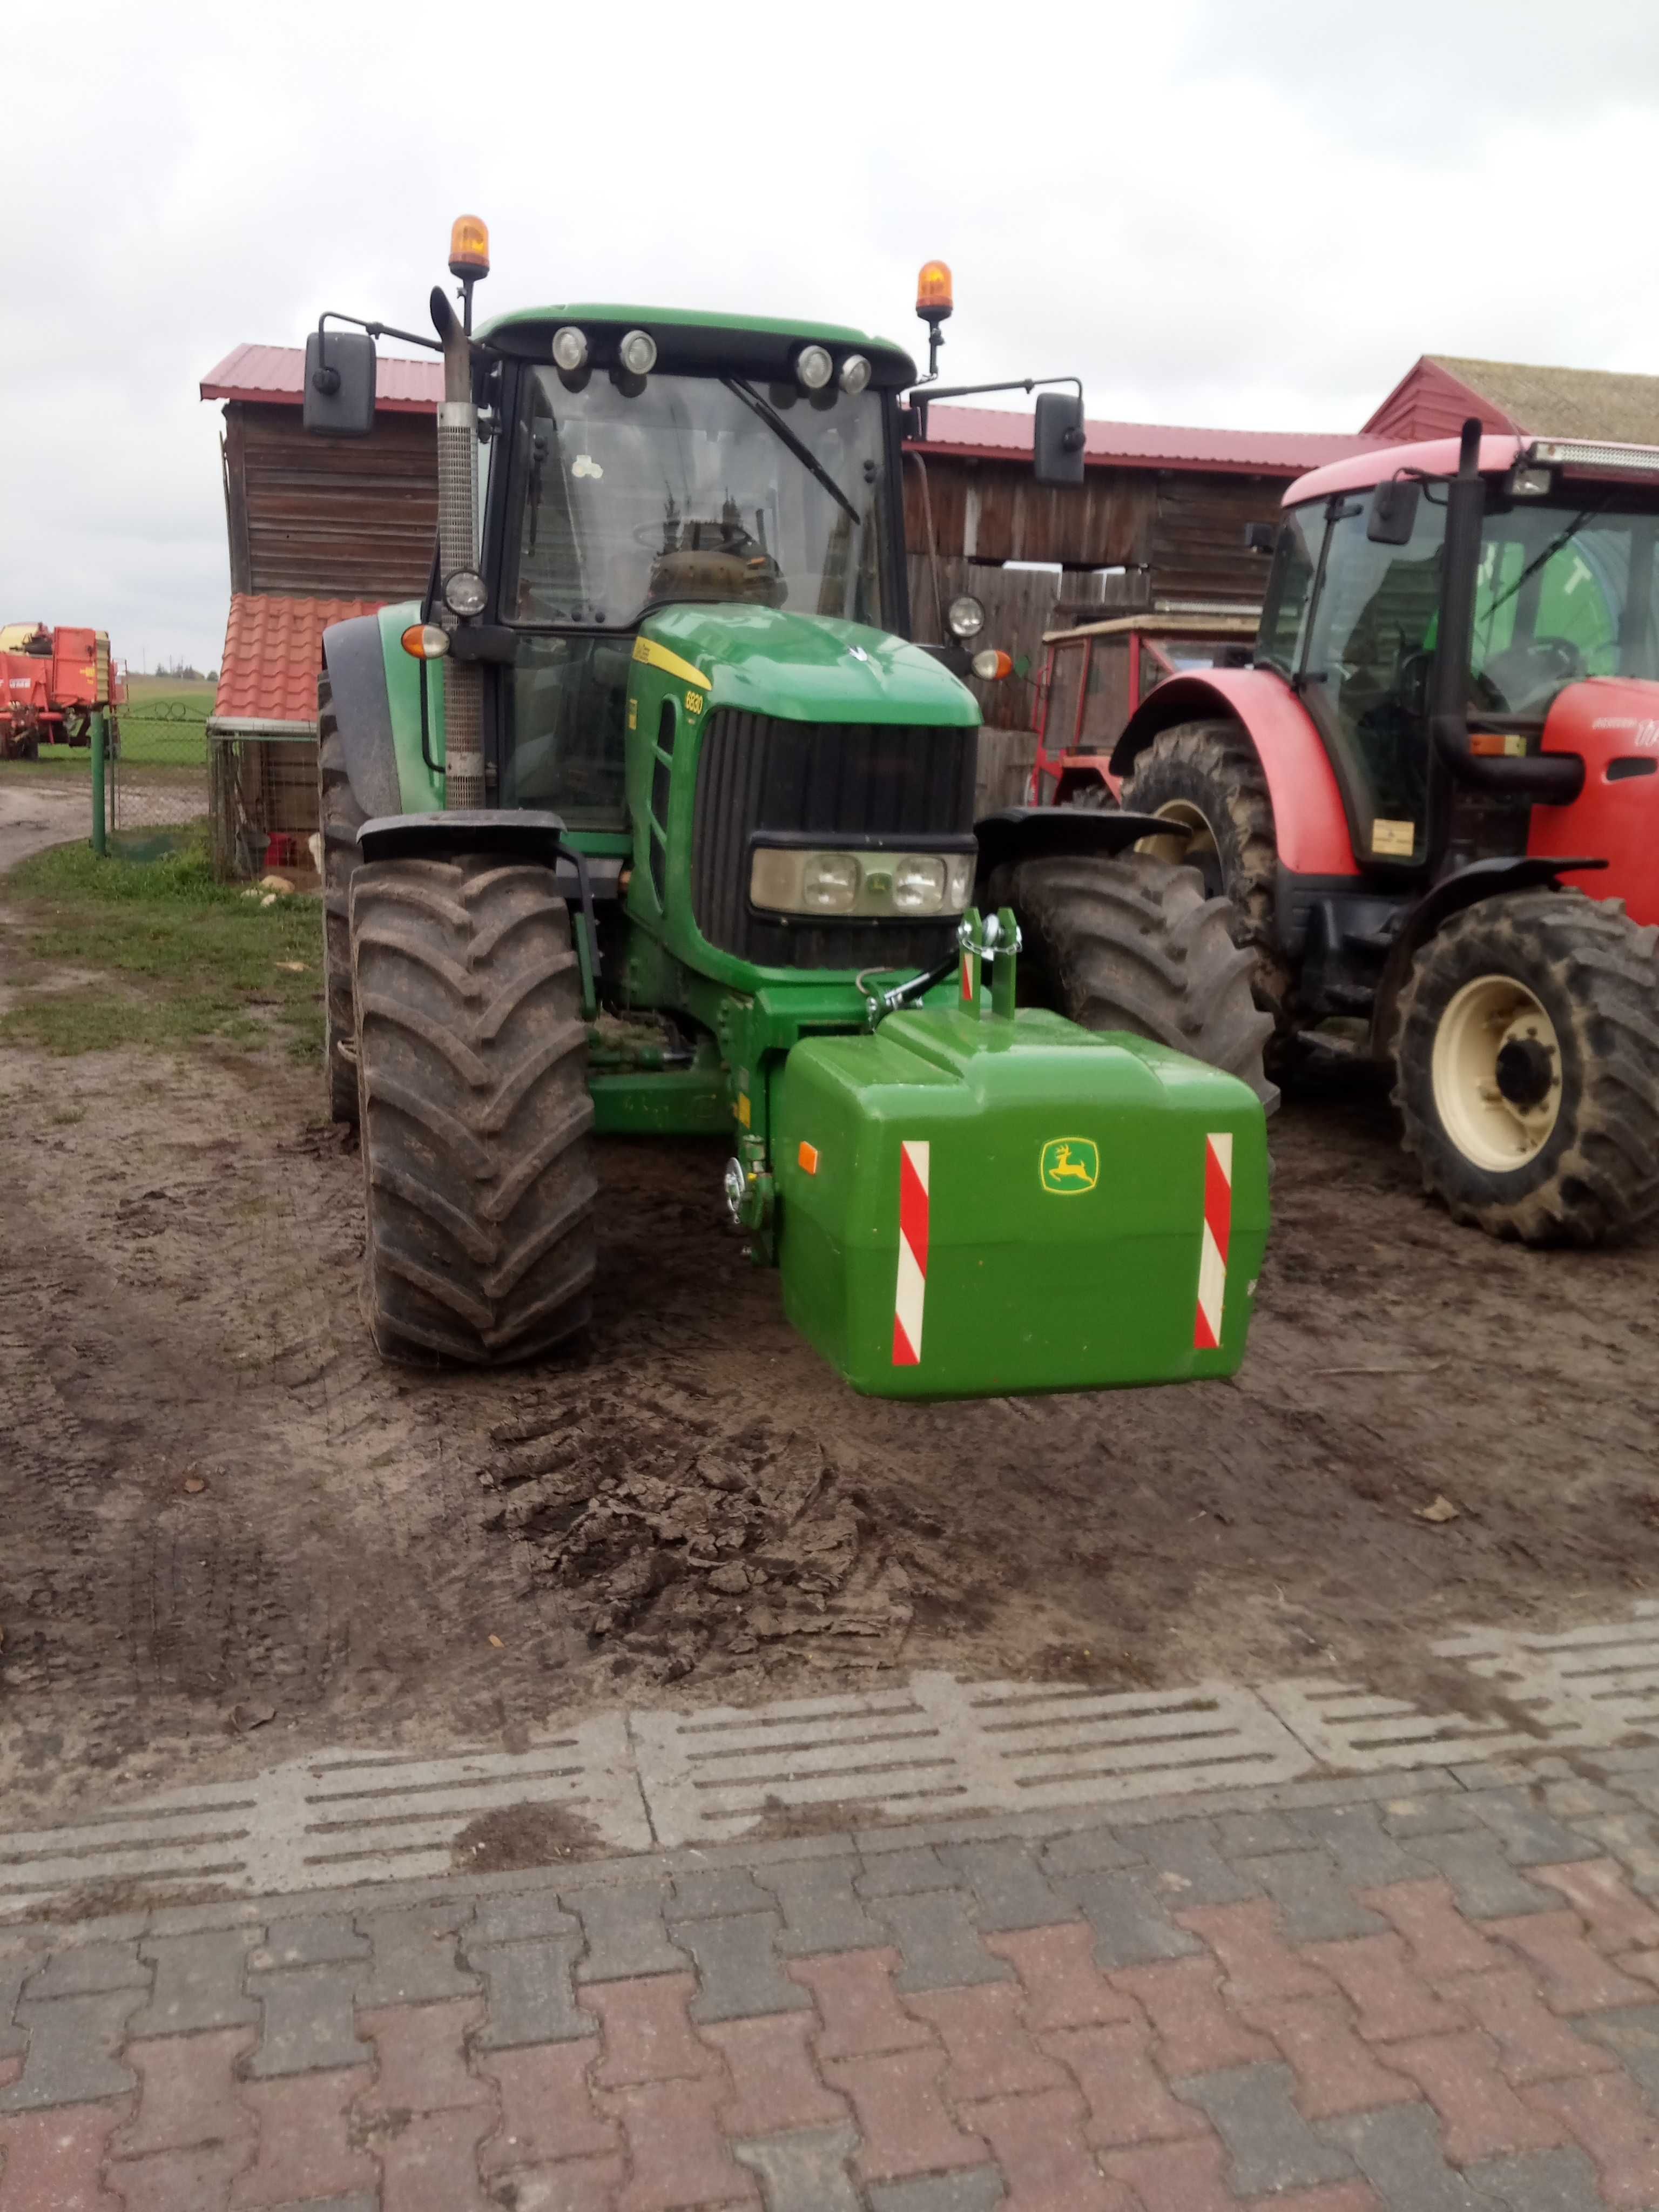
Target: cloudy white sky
(1253,213)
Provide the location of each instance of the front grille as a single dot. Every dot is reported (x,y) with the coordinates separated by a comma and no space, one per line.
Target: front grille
(842,781)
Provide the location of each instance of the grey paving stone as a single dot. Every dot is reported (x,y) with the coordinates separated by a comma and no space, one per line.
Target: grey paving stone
(740,1967)
(73,2054)
(531,1996)
(1633,1840)
(1487,1886)
(308,2018)
(1314,1897)
(323,1941)
(1096,1850)
(198,1982)
(414,1955)
(900,1874)
(822,1911)
(1130,1920)
(1008,1886)
(1270,2145)
(940,1946)
(1248,1835)
(1530,1837)
(1369,1856)
(1632,2036)
(1537,2181)
(1398,2151)
(1188,1869)
(519,1919)
(805,2171)
(709,1892)
(971,2188)
(1446,1813)
(624,1930)
(84,1970)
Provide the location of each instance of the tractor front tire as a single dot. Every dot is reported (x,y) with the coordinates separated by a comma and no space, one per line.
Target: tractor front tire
(341,819)
(478,1164)
(1527,1068)
(1133,943)
(1205,777)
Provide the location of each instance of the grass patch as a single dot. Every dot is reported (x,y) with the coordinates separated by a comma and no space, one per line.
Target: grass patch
(163,725)
(178,956)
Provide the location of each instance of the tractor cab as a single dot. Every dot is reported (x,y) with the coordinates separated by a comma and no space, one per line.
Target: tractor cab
(1563,589)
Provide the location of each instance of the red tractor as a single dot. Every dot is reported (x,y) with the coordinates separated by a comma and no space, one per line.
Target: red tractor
(1433,800)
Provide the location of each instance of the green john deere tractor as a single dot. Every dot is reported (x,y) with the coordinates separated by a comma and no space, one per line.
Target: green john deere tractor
(647,820)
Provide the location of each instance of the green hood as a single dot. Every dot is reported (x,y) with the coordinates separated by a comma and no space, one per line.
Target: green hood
(809,668)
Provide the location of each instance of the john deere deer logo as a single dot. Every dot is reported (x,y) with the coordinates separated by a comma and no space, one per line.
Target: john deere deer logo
(1070,1164)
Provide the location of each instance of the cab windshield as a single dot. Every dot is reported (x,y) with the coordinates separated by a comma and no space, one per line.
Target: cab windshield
(1566,590)
(695,487)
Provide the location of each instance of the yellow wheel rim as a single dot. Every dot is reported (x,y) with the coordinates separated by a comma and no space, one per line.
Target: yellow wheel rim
(1496,1070)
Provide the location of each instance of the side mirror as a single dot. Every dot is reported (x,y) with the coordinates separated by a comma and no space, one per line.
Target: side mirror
(339,393)
(1392,514)
(1258,536)
(1058,439)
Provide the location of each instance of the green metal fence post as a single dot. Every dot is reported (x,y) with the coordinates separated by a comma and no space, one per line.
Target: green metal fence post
(99,838)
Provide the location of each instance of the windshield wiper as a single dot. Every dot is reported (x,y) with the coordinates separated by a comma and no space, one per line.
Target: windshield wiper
(802,452)
(1562,537)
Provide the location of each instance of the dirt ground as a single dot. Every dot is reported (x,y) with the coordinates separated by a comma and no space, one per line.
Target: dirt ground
(230,1536)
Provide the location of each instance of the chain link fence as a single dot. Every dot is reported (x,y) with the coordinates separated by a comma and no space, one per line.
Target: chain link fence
(261,792)
(156,774)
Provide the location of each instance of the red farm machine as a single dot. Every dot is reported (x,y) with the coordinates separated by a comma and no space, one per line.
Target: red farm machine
(53,682)
(1429,783)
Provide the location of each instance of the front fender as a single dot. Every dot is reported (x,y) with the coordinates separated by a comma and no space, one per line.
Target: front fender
(1308,817)
(1054,833)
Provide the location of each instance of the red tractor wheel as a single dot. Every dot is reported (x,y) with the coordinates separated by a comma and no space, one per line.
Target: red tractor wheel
(1203,779)
(1527,1068)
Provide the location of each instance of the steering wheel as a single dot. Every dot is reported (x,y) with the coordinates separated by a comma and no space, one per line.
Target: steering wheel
(1564,658)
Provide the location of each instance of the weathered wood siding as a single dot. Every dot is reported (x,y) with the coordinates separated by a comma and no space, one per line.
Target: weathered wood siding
(329,518)
(1019,606)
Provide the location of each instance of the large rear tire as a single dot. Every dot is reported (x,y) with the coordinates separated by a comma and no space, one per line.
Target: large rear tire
(1529,1033)
(478,1164)
(341,819)
(1132,943)
(1205,778)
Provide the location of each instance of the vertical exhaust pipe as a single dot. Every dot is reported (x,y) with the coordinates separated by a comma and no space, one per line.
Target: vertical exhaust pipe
(1542,779)
(457,548)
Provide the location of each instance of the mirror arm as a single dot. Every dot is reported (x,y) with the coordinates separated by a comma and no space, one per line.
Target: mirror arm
(921,400)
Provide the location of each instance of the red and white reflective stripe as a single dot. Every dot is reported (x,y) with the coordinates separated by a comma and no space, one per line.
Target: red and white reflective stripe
(911,1293)
(1217,1227)
(968,979)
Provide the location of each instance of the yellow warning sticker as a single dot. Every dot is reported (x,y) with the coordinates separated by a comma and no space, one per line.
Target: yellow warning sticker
(1393,841)
(1069,1165)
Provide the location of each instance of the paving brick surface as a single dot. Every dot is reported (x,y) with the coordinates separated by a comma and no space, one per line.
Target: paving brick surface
(1434,1993)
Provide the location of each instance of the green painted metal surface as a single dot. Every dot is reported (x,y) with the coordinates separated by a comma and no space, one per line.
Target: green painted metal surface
(605,315)
(767,660)
(423,791)
(1066,1176)
(100,819)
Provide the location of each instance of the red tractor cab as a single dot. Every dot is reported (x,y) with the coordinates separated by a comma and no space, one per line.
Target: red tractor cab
(1433,800)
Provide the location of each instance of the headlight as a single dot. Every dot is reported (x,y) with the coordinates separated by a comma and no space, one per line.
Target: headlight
(829,883)
(813,367)
(463,592)
(638,353)
(966,617)
(570,348)
(783,880)
(854,373)
(919,884)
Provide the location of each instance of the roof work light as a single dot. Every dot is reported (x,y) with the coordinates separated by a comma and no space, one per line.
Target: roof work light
(469,247)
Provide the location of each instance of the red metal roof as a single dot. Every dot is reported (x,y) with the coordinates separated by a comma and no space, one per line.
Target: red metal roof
(276,374)
(273,650)
(997,433)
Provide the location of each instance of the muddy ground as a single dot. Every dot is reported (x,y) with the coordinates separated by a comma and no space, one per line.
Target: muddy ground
(228,1535)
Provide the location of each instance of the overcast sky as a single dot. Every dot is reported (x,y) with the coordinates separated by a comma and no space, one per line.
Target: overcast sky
(1251,213)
